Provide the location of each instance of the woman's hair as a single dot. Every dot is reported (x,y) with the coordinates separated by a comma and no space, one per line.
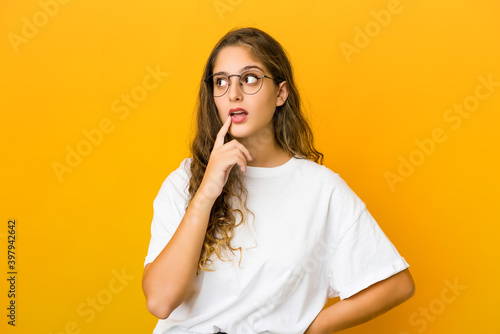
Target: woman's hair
(292,133)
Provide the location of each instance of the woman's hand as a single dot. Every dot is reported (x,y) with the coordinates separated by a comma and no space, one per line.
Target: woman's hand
(222,160)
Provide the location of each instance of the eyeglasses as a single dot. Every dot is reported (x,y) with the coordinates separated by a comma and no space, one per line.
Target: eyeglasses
(251,82)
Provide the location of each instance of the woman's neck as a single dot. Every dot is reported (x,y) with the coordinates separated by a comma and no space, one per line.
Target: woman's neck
(266,153)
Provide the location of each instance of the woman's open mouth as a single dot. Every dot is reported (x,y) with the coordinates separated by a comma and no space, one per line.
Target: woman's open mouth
(238,115)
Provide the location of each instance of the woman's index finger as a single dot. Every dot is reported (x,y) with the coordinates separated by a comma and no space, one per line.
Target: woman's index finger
(219,141)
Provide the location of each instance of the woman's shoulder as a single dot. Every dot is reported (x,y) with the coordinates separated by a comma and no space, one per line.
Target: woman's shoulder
(185,166)
(325,178)
(182,172)
(177,180)
(317,170)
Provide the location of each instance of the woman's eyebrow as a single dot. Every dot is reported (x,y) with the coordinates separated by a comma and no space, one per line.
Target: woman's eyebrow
(242,70)
(250,67)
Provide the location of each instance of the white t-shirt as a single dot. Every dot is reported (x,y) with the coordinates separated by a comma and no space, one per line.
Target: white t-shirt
(312,238)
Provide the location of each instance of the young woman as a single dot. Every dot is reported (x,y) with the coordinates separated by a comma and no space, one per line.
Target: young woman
(251,234)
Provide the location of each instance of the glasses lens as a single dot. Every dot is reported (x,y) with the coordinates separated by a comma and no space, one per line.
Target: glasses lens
(219,84)
(251,81)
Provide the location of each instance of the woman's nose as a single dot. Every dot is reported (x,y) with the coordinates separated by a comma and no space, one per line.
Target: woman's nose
(234,90)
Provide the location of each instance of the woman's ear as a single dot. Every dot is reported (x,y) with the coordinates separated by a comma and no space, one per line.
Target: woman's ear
(282,94)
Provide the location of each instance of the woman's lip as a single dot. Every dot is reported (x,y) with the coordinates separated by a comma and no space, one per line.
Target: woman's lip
(237,109)
(238,118)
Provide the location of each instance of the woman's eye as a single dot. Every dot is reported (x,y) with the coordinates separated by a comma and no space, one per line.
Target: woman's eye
(221,82)
(250,79)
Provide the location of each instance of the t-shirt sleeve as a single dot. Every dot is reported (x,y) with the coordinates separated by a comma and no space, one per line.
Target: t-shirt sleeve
(364,254)
(169,209)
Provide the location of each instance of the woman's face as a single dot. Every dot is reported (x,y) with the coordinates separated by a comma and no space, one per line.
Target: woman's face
(260,107)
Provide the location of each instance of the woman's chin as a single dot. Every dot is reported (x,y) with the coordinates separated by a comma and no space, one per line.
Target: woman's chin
(238,133)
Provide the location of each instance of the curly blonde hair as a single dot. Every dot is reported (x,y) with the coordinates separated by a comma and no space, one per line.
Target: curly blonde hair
(292,133)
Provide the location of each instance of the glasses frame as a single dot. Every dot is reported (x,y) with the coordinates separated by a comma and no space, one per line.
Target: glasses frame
(211,84)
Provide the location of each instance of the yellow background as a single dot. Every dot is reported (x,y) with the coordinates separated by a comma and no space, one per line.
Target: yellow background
(367,110)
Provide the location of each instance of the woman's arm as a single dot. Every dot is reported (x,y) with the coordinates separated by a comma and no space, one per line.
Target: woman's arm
(168,280)
(365,305)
